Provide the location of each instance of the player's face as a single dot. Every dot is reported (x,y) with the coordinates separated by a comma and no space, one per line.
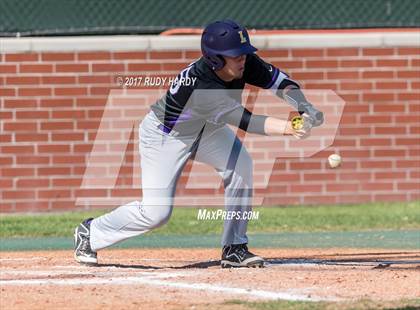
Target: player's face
(234,67)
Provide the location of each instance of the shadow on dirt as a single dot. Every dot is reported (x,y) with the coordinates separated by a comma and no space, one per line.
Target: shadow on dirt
(200,265)
(391,261)
(394,260)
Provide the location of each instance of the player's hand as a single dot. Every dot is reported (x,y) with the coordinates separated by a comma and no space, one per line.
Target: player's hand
(301,134)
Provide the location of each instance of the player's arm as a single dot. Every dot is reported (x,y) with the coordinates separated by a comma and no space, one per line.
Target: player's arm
(264,75)
(290,91)
(262,124)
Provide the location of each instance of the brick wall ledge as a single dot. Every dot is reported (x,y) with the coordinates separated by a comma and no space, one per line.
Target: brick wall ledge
(315,39)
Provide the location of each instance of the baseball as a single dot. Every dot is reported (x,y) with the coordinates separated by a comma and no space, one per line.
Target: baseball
(334,160)
(297,122)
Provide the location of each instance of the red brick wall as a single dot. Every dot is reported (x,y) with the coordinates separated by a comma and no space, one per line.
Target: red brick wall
(52,103)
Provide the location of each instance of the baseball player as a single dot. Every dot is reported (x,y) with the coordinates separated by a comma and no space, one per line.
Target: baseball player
(190,122)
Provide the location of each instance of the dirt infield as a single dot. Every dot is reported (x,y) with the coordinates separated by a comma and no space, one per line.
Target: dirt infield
(192,278)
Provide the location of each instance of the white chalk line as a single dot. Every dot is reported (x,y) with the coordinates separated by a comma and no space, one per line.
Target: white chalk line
(22,259)
(157,279)
(110,273)
(120,260)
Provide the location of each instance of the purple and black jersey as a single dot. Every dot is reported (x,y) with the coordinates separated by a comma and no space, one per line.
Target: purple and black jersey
(209,98)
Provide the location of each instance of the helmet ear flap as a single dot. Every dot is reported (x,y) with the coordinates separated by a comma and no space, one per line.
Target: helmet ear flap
(217,62)
(222,61)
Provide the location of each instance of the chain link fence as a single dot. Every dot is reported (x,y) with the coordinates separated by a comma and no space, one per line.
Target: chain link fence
(81,17)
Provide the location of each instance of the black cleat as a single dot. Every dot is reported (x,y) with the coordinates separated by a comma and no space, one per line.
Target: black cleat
(237,255)
(82,250)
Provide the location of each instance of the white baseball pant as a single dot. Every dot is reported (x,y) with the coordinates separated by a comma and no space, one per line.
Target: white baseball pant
(163,157)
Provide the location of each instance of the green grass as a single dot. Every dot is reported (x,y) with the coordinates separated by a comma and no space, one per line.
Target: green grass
(379,216)
(409,304)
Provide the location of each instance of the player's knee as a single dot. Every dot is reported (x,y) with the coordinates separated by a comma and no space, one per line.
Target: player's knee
(160,215)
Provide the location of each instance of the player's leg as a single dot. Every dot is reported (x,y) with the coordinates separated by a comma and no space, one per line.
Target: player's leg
(162,160)
(225,152)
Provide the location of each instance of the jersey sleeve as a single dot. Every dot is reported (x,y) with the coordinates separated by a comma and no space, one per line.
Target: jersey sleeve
(245,120)
(262,74)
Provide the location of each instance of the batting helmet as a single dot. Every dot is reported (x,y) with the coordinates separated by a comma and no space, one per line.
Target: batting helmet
(224,38)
